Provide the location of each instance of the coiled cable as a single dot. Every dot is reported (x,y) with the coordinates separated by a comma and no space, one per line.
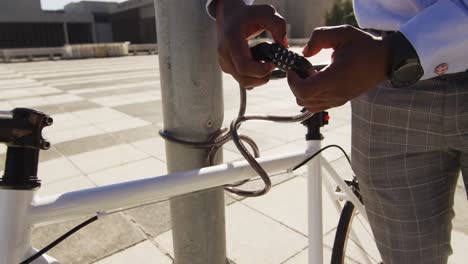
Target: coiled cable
(224,135)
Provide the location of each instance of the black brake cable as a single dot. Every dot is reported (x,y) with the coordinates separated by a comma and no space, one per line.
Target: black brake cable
(58,240)
(317,153)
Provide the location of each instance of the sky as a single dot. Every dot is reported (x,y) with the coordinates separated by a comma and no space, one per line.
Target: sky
(59,4)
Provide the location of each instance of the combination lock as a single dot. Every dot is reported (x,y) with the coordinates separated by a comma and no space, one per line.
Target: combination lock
(283,58)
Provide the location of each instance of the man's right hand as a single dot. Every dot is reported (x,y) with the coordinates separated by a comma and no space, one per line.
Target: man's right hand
(237,23)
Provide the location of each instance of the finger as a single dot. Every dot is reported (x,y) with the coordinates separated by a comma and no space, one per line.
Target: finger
(316,109)
(243,61)
(244,81)
(270,65)
(318,85)
(316,106)
(323,104)
(250,83)
(300,102)
(226,65)
(327,37)
(300,87)
(272,21)
(311,71)
(311,103)
(296,83)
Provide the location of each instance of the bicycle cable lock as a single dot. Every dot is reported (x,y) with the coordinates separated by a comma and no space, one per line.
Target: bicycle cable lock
(284,60)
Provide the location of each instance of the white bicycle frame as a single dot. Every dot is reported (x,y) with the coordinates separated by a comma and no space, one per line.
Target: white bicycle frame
(20,211)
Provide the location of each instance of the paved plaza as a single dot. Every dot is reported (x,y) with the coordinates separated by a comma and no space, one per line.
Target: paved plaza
(107,113)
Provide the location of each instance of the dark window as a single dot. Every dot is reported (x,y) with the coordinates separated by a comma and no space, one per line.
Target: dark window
(29,35)
(126,26)
(101,18)
(80,33)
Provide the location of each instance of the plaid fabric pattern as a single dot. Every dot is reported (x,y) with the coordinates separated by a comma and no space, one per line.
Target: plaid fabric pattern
(408,147)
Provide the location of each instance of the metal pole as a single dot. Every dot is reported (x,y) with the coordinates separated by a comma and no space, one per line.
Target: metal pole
(193,109)
(93,32)
(65,33)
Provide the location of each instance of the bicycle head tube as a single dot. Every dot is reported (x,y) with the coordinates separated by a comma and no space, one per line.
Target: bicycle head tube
(21,131)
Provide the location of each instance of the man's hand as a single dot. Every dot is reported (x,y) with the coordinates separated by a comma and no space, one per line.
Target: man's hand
(237,23)
(359,62)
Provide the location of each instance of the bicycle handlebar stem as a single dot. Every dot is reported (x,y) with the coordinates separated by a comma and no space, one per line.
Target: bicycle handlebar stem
(21,131)
(314,123)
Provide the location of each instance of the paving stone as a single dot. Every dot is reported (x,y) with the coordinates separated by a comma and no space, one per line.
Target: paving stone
(95,73)
(99,115)
(38,101)
(73,183)
(340,138)
(93,79)
(127,99)
(122,124)
(96,93)
(302,257)
(460,222)
(287,204)
(38,90)
(154,146)
(99,239)
(137,134)
(49,154)
(135,170)
(142,253)
(263,141)
(153,219)
(252,238)
(93,161)
(59,108)
(95,84)
(57,137)
(114,87)
(459,247)
(49,173)
(150,111)
(87,144)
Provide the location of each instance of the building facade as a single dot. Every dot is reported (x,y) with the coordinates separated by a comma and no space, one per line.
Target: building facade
(23,23)
(302,16)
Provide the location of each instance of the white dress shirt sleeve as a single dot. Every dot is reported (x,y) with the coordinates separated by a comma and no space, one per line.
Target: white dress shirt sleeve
(211,9)
(440,36)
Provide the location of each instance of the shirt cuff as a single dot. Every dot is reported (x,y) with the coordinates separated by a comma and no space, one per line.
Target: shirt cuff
(210,7)
(439,35)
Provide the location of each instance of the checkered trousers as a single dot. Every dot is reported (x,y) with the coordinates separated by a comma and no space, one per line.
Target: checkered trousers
(408,147)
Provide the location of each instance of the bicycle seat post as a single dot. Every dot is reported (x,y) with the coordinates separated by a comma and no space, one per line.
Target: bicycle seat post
(21,131)
(314,186)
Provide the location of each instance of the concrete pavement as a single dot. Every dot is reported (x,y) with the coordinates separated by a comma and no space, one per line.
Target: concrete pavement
(107,113)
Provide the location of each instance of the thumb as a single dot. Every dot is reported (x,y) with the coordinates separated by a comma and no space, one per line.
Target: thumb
(327,37)
(295,83)
(273,22)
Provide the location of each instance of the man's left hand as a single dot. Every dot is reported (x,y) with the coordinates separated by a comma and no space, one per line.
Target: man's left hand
(359,62)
